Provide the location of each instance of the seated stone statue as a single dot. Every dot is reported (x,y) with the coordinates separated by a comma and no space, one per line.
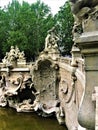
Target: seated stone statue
(21,56)
(17,51)
(51,39)
(9,57)
(12,51)
(13,56)
(4,60)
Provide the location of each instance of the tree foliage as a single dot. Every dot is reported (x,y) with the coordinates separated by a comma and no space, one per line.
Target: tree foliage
(26,26)
(65,22)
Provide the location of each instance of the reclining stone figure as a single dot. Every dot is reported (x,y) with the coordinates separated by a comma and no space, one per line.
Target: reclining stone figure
(77,5)
(85,14)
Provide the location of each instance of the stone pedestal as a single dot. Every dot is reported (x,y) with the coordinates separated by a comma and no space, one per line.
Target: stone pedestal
(88,44)
(54,54)
(75,56)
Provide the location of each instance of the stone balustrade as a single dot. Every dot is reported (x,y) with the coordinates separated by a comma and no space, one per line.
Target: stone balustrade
(55,84)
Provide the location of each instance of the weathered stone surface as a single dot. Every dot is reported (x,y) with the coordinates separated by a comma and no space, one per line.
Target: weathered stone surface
(70,93)
(46,79)
(86,17)
(13,58)
(52,85)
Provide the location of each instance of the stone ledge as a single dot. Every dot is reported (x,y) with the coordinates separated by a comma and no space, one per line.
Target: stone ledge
(88,37)
(15,70)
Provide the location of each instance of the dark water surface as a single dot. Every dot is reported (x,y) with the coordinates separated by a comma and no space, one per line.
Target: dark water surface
(11,120)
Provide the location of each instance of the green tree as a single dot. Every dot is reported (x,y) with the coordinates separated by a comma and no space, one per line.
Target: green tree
(65,22)
(3,30)
(27,26)
(42,23)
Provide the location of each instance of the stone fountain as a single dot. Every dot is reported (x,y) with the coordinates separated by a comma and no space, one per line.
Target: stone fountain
(29,88)
(16,83)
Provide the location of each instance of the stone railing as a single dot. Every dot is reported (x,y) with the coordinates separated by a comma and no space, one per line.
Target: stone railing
(65,62)
(68,60)
(52,85)
(71,89)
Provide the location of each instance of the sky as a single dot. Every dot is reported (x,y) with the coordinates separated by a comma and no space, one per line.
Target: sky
(53,4)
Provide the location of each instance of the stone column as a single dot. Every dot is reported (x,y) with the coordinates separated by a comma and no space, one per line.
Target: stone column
(88,43)
(85,34)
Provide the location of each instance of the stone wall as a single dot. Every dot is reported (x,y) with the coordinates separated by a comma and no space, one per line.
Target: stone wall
(53,85)
(70,91)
